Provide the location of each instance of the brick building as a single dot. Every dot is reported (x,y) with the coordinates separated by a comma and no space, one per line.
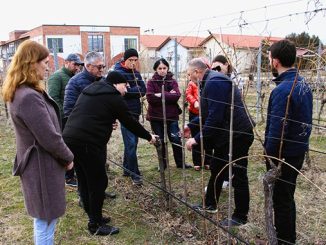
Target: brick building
(111,41)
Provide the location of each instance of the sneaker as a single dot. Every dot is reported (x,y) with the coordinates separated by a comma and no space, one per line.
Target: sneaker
(106,220)
(137,181)
(111,195)
(102,230)
(187,165)
(225,184)
(71,182)
(234,222)
(209,208)
(125,174)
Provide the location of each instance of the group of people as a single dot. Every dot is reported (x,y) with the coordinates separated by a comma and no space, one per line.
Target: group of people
(71,130)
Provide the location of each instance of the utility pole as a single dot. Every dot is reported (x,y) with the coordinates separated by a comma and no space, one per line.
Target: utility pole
(258,87)
(55,53)
(318,77)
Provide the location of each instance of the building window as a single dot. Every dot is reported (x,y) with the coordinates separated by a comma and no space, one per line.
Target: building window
(95,43)
(58,42)
(130,43)
(11,49)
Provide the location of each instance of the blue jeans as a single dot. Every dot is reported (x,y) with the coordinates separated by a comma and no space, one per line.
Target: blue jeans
(44,231)
(130,161)
(174,137)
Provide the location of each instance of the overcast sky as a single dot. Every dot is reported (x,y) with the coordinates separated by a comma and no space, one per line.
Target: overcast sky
(260,17)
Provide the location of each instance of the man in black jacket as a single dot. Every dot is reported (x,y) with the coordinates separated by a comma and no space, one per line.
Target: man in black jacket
(87,132)
(215,105)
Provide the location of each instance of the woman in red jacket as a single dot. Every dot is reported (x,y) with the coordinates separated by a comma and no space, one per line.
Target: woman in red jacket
(193,102)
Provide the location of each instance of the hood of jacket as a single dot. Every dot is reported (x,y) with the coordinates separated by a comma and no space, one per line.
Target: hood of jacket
(100,88)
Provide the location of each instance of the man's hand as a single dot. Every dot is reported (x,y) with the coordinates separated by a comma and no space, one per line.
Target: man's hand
(196,104)
(115,125)
(70,166)
(153,140)
(186,132)
(158,95)
(190,142)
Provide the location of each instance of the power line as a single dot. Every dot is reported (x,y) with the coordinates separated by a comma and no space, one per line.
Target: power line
(233,13)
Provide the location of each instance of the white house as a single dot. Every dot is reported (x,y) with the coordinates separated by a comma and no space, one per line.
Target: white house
(240,49)
(182,49)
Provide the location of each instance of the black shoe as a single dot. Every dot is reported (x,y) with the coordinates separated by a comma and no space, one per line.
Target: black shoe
(208,208)
(126,174)
(102,230)
(106,220)
(111,195)
(71,182)
(137,181)
(186,166)
(234,222)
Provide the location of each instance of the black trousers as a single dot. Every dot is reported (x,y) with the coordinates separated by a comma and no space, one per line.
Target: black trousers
(90,163)
(240,184)
(173,131)
(283,200)
(69,173)
(196,154)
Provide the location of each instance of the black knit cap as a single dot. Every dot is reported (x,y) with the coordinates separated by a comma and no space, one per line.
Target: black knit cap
(115,77)
(130,53)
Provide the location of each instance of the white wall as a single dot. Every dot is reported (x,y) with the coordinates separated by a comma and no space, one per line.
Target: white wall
(168,51)
(71,44)
(38,39)
(242,59)
(118,44)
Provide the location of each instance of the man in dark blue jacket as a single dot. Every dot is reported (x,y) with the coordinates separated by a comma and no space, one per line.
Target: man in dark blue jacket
(135,91)
(292,144)
(215,103)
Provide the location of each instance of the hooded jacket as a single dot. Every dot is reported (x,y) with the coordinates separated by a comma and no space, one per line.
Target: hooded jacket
(298,126)
(215,107)
(192,97)
(136,89)
(96,109)
(74,87)
(57,84)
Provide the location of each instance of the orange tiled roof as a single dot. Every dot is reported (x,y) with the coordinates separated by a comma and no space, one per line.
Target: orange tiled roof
(185,41)
(241,41)
(152,41)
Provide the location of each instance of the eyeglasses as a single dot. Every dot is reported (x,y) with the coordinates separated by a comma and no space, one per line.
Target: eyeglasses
(217,68)
(100,67)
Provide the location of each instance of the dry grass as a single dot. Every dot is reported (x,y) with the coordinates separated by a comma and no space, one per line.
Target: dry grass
(141,213)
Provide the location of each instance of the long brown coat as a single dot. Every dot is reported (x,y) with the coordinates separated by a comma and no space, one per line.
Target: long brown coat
(41,153)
